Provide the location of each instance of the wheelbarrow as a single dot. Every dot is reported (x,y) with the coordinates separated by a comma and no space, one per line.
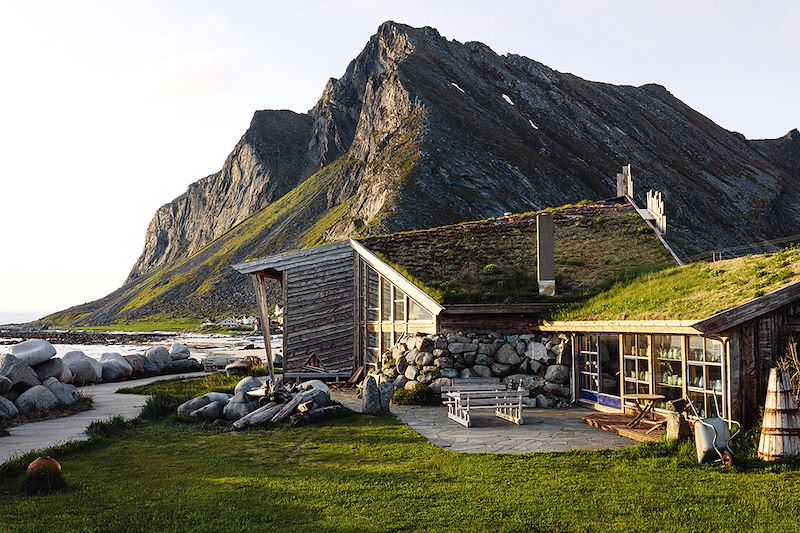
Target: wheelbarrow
(712,437)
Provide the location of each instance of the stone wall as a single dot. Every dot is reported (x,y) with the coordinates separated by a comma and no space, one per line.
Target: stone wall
(539,362)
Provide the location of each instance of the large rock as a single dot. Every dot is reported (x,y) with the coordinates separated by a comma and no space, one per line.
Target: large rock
(316,385)
(112,371)
(386,391)
(371,400)
(126,367)
(179,351)
(448,373)
(400,382)
(411,373)
(22,376)
(501,369)
(401,365)
(507,354)
(557,374)
(424,359)
(83,372)
(194,404)
(411,384)
(537,352)
(482,371)
(36,401)
(240,405)
(137,363)
(53,368)
(461,347)
(33,351)
(187,365)
(545,402)
(561,391)
(483,359)
(444,362)
(159,357)
(437,384)
(72,358)
(212,411)
(67,395)
(7,409)
(247,384)
(487,349)
(5,384)
(534,384)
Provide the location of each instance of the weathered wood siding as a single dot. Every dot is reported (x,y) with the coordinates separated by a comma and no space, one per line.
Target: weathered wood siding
(319,311)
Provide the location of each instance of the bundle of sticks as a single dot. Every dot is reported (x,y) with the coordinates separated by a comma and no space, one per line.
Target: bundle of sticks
(284,400)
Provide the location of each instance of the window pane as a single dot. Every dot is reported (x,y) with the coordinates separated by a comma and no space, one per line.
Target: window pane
(386,341)
(629,344)
(399,305)
(695,348)
(372,339)
(386,300)
(416,312)
(372,295)
(713,351)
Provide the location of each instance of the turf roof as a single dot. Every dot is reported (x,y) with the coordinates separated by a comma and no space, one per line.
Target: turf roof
(595,246)
(693,292)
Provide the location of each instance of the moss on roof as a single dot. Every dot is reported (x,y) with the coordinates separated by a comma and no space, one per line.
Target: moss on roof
(494,261)
(693,292)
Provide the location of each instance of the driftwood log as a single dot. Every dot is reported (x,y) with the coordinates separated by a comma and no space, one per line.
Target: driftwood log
(291,405)
(259,416)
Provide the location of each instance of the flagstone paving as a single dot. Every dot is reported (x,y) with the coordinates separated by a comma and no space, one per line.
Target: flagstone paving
(107,404)
(544,430)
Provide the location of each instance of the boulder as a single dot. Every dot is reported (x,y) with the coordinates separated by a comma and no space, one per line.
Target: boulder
(112,371)
(160,358)
(247,384)
(426,378)
(545,402)
(537,352)
(557,374)
(444,362)
(36,401)
(411,343)
(400,382)
(386,391)
(33,351)
(179,351)
(7,409)
(5,384)
(520,347)
(452,337)
(187,365)
(22,376)
(137,363)
(482,371)
(323,396)
(440,343)
(561,391)
(411,357)
(83,372)
(425,344)
(371,400)
(448,373)
(401,365)
(677,427)
(467,373)
(507,354)
(71,358)
(398,350)
(424,359)
(470,358)
(67,395)
(127,369)
(411,385)
(501,369)
(487,349)
(194,404)
(437,384)
(411,373)
(534,384)
(461,347)
(484,360)
(536,367)
(49,381)
(240,405)
(212,411)
(53,368)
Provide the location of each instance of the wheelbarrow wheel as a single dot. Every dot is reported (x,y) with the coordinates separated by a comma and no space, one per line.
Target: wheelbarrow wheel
(727,459)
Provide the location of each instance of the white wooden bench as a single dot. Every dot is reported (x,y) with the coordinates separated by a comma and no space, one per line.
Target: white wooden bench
(463,396)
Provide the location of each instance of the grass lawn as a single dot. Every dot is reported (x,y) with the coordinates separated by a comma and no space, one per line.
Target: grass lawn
(371,473)
(174,325)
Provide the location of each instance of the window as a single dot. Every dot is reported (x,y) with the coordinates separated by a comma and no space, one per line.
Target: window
(705,384)
(636,363)
(668,350)
(416,312)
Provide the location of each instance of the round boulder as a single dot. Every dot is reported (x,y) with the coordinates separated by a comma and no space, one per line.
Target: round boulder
(159,357)
(112,371)
(179,351)
(501,369)
(71,358)
(187,365)
(534,384)
(67,395)
(507,355)
(136,361)
(7,409)
(22,376)
(240,405)
(557,374)
(194,404)
(53,368)
(83,372)
(247,384)
(212,411)
(36,401)
(33,351)
(411,373)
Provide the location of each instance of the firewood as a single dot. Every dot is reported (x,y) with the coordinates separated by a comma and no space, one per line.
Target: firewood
(306,406)
(259,416)
(291,405)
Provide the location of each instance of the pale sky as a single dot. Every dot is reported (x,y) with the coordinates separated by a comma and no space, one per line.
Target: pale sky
(109,109)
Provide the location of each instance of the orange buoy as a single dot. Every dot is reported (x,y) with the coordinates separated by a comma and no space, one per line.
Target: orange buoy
(44,464)
(780,429)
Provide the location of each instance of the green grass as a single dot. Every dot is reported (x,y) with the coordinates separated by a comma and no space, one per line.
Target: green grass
(373,474)
(187,388)
(171,325)
(692,292)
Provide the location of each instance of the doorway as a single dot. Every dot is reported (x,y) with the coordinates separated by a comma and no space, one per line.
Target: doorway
(599,372)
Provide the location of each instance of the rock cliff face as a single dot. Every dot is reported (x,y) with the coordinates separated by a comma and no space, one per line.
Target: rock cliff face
(422,131)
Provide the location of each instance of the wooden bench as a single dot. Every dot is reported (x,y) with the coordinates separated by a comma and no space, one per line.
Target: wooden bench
(468,394)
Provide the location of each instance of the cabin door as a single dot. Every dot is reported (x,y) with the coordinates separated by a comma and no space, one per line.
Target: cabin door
(598,369)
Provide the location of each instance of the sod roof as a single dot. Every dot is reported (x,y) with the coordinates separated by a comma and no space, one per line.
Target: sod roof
(494,260)
(693,292)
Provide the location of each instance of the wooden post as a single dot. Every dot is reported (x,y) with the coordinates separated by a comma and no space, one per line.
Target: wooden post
(260,284)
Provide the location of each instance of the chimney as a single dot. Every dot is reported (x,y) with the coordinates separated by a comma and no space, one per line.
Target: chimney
(625,182)
(545,264)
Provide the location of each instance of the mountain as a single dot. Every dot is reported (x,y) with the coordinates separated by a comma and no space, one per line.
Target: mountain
(422,131)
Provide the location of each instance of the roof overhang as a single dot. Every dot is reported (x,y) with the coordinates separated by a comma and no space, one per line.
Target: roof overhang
(499,309)
(748,311)
(288,260)
(398,279)
(677,327)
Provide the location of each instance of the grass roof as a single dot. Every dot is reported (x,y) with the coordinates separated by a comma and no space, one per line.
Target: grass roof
(693,292)
(494,260)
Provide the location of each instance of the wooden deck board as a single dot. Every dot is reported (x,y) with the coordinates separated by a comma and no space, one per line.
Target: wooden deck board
(615,423)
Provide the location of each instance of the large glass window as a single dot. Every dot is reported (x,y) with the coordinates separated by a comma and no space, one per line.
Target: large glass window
(705,383)
(668,351)
(636,364)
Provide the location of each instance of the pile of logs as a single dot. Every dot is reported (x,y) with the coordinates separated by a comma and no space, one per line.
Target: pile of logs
(308,401)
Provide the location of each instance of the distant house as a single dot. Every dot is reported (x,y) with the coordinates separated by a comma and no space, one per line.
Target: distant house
(601,276)
(246,320)
(228,323)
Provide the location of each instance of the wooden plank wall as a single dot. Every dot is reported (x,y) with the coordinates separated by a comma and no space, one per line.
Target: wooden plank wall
(319,313)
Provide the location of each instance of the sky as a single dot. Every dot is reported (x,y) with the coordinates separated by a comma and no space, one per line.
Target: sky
(109,109)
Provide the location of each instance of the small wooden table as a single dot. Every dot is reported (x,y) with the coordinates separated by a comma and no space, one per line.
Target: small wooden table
(644,403)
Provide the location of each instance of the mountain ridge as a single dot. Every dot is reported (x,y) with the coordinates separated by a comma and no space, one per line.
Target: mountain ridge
(422,131)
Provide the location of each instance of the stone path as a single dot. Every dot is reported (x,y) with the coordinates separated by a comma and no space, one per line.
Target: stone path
(544,430)
(39,435)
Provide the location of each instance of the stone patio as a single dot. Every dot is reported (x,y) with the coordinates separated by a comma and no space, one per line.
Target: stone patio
(544,430)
